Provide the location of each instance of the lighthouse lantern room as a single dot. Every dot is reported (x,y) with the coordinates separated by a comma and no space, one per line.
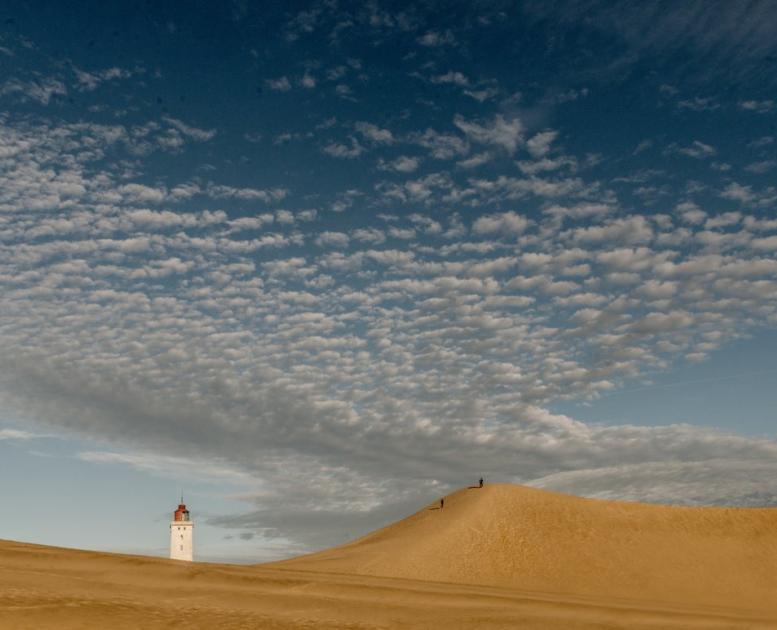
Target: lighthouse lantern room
(181,534)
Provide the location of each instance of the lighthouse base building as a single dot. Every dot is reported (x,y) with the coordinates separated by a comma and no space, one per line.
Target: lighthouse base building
(181,535)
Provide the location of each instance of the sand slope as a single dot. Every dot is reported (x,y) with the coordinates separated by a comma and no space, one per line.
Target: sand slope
(523,538)
(46,588)
(503,558)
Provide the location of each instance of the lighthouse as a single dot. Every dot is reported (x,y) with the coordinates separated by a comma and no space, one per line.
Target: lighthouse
(181,534)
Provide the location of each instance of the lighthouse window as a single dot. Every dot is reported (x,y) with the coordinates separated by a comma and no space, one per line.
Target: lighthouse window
(181,536)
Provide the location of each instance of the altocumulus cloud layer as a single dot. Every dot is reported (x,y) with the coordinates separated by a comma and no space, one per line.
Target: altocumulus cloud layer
(347,368)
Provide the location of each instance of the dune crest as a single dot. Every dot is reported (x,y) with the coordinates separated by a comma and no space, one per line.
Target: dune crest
(517,537)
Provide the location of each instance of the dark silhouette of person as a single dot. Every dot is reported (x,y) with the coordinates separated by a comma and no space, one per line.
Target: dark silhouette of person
(442,503)
(481,482)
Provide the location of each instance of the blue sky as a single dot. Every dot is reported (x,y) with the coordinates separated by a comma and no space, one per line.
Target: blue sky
(317,266)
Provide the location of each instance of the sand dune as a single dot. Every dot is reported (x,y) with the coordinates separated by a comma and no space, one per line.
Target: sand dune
(518,537)
(501,557)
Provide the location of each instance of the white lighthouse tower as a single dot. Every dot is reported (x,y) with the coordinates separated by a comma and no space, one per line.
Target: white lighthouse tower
(181,534)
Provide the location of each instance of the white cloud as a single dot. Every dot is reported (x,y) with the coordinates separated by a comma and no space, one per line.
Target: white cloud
(40,91)
(476,160)
(344,91)
(201,135)
(402,164)
(759,168)
(539,144)
(332,239)
(435,39)
(168,466)
(281,84)
(671,482)
(503,223)
(441,146)
(690,213)
(307,81)
(759,107)
(628,231)
(699,104)
(501,132)
(738,192)
(89,81)
(339,150)
(374,133)
(579,211)
(759,143)
(767,243)
(369,235)
(16,434)
(483,94)
(545,165)
(696,149)
(247,194)
(455,78)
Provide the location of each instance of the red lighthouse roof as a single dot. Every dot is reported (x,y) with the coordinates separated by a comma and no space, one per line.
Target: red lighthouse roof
(181,514)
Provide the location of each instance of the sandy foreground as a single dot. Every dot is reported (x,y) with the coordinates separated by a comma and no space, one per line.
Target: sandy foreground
(501,557)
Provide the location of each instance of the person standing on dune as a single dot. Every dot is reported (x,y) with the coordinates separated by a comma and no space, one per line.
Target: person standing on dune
(481,482)
(442,503)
